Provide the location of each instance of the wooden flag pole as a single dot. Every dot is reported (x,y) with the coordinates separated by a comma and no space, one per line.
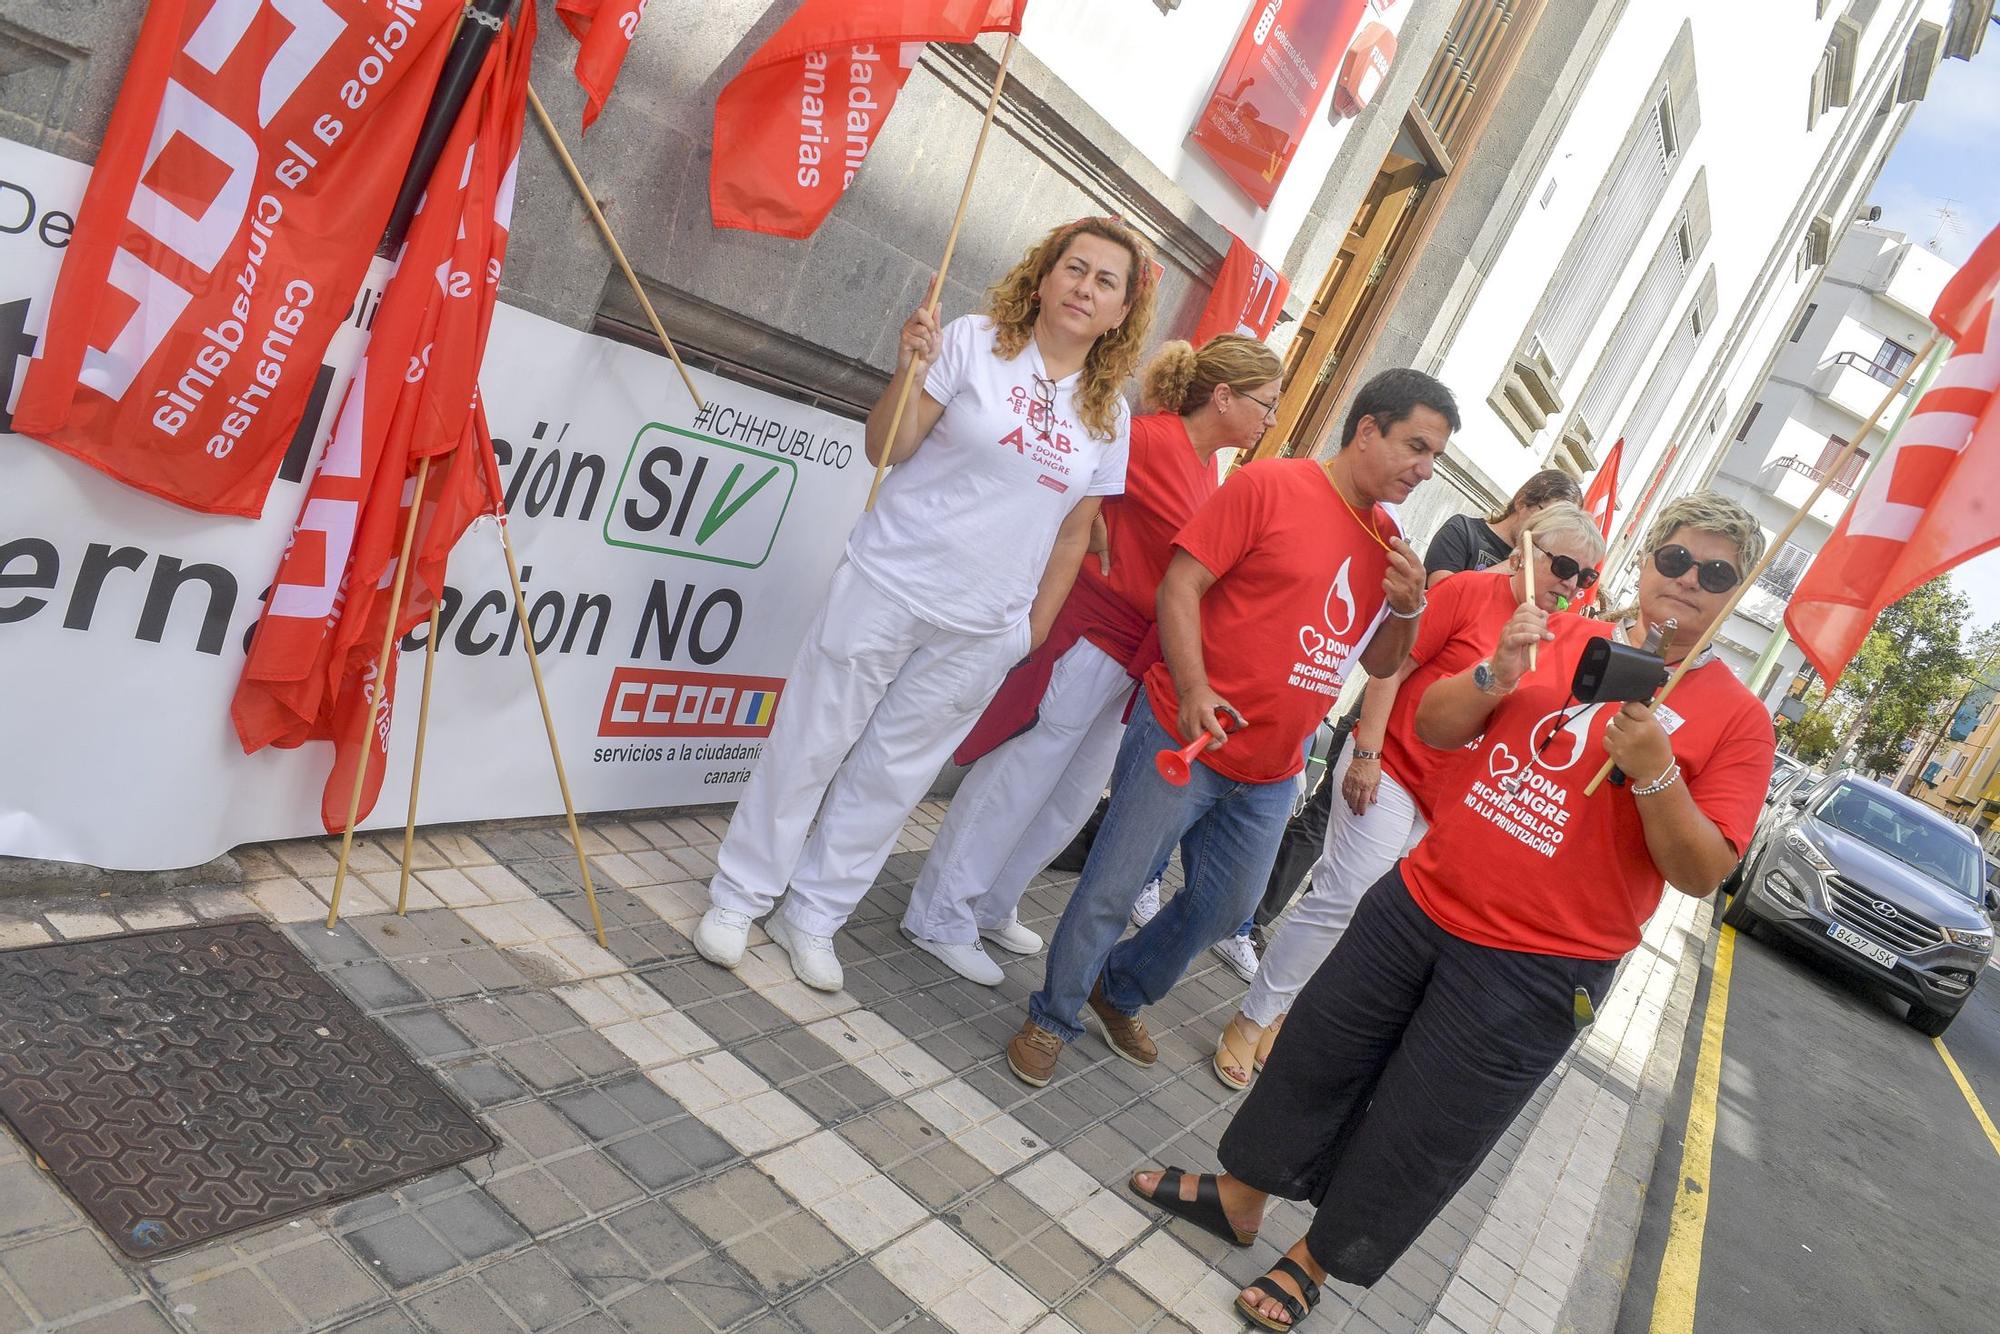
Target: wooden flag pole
(549,723)
(1777,544)
(417,764)
(376,694)
(944,265)
(1528,573)
(611,240)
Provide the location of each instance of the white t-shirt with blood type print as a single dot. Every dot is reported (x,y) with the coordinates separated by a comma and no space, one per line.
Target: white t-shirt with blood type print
(962,529)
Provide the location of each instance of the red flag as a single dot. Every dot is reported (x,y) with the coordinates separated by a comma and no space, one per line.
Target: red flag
(603,30)
(1929,504)
(414,396)
(246,176)
(1601,500)
(1969,290)
(1247,298)
(794,126)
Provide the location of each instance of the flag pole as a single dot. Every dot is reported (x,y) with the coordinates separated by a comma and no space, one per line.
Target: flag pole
(937,282)
(611,240)
(417,764)
(1777,544)
(549,724)
(1528,573)
(377,695)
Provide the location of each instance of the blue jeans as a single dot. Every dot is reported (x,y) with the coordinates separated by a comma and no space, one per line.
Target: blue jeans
(1229,834)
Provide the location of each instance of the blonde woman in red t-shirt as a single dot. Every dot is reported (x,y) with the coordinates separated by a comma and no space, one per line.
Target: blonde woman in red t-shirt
(1045,747)
(1387,778)
(1470,969)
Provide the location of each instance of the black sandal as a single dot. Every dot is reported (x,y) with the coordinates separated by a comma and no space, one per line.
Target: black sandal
(1205,1210)
(1293,1307)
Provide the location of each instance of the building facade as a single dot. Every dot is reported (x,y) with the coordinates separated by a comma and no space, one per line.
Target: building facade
(1590,217)
(1860,329)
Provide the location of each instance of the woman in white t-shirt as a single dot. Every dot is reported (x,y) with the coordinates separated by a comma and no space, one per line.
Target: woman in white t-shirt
(956,574)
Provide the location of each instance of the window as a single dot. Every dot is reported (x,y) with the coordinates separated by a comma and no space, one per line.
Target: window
(1638,328)
(1670,373)
(1892,358)
(1783,573)
(1799,330)
(1850,472)
(1749,420)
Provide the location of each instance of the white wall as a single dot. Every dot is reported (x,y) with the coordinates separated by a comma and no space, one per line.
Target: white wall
(1149,75)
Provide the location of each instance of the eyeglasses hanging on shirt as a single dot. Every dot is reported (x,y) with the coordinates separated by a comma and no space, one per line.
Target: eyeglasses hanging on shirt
(1045,400)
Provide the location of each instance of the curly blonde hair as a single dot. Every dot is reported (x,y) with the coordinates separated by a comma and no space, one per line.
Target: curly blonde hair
(1011,304)
(1180,379)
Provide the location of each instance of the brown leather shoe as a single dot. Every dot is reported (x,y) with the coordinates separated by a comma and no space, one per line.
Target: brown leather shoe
(1126,1034)
(1032,1052)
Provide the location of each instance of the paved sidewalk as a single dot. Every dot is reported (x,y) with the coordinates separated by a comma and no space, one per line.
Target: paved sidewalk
(691,1149)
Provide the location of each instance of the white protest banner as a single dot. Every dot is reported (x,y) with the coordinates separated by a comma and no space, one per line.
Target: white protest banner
(671,562)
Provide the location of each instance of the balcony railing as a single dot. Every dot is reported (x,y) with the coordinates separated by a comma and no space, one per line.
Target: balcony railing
(1792,463)
(1856,362)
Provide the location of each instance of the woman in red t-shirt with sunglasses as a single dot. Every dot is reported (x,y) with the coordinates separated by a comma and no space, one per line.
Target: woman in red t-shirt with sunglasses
(1470,969)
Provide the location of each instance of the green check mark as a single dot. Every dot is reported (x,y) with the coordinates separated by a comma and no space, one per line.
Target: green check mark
(722,508)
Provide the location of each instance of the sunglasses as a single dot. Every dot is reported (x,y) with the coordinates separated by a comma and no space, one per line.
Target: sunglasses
(1565,567)
(1717,576)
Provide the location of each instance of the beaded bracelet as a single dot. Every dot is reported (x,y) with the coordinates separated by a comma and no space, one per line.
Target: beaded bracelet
(1662,783)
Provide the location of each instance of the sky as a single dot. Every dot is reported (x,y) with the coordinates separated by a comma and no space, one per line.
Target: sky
(1949,157)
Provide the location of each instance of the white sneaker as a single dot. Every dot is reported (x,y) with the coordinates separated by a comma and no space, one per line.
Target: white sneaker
(968,961)
(1013,937)
(1148,906)
(813,959)
(722,935)
(1240,955)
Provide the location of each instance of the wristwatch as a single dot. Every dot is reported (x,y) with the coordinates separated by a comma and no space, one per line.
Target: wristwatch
(1488,683)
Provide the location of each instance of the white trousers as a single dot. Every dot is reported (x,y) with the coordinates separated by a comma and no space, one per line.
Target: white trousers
(876,701)
(1023,802)
(1359,850)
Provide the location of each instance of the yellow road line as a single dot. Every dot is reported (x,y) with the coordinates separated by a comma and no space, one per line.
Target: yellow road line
(1680,1266)
(1978,1111)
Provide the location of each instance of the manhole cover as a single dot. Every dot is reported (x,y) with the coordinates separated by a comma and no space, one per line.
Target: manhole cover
(188,1083)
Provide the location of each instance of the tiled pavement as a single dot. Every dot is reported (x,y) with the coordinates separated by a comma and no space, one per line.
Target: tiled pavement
(687,1148)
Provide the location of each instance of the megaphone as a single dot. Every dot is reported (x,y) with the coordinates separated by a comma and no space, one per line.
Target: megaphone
(1612,670)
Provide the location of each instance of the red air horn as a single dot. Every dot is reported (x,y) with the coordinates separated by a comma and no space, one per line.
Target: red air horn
(1176,766)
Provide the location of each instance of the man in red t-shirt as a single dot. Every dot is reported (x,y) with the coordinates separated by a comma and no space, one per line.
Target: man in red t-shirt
(1469,970)
(1279,584)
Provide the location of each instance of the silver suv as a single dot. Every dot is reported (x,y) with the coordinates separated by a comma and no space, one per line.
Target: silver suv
(1877,882)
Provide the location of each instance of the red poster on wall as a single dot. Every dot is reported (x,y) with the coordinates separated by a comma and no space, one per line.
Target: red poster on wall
(1275,79)
(1247,298)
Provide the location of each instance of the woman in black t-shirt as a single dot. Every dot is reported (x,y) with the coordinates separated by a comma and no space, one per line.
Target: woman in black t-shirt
(1469,542)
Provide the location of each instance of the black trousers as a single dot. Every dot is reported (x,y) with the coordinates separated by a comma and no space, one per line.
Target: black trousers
(1404,1060)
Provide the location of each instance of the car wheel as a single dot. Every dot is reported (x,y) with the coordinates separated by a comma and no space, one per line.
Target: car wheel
(1931,1023)
(1733,882)
(1738,913)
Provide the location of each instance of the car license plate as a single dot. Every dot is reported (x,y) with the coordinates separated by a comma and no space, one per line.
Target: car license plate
(1863,946)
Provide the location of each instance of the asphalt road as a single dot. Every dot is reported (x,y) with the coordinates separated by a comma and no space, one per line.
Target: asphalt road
(1850,1186)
